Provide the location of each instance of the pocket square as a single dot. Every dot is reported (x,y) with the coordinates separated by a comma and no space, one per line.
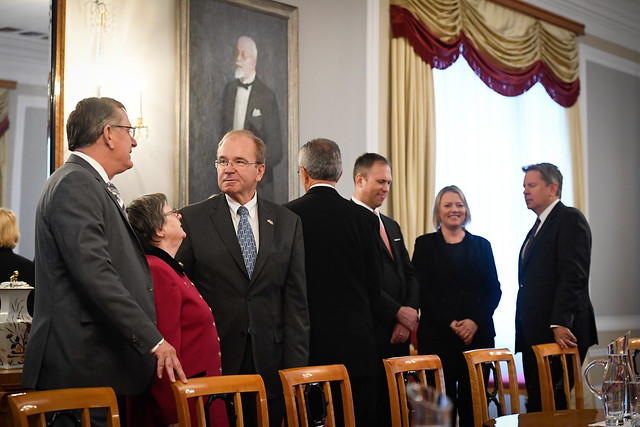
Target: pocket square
(256,112)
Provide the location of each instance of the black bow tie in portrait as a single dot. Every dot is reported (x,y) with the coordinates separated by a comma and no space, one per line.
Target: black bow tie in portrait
(244,85)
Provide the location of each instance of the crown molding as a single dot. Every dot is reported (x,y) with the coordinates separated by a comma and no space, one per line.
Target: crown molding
(617,21)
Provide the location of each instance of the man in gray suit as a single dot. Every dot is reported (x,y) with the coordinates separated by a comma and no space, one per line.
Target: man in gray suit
(246,257)
(94,320)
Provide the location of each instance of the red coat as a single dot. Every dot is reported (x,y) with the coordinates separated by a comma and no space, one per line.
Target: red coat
(186,322)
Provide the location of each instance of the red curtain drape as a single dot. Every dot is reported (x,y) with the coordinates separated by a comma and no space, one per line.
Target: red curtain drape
(440,55)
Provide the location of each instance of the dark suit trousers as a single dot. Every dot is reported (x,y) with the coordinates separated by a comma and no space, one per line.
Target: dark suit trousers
(532,379)
(276,406)
(383,411)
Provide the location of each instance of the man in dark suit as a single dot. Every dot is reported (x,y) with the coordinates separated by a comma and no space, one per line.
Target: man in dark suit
(343,276)
(553,270)
(396,314)
(246,257)
(94,321)
(247,103)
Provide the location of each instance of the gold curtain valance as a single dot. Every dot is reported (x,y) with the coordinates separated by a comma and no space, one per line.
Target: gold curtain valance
(509,39)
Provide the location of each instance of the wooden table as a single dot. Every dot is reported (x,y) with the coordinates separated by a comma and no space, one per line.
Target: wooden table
(571,418)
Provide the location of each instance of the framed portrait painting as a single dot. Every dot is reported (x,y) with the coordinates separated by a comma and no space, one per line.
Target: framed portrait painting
(238,70)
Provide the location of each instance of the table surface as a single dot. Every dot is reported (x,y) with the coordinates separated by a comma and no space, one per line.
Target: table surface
(571,418)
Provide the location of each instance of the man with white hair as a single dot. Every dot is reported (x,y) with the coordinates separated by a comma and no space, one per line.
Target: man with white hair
(249,104)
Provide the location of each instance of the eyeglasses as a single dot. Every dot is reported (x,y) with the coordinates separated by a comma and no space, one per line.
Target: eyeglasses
(173,211)
(131,130)
(240,164)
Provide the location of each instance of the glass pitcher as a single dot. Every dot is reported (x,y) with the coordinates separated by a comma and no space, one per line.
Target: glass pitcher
(616,381)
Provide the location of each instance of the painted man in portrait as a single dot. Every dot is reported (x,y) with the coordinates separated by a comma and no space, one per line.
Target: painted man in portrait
(249,104)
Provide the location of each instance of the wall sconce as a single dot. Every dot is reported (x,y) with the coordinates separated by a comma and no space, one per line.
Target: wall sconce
(143,131)
(100,17)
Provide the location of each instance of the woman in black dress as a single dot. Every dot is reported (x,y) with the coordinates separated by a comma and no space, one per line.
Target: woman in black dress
(459,291)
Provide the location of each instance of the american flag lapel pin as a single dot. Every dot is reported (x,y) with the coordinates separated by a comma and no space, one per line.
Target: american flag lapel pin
(270,222)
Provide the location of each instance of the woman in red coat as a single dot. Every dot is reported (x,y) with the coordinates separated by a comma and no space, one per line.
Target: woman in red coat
(184,318)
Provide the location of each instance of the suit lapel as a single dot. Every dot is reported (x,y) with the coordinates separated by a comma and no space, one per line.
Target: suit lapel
(266,229)
(221,218)
(123,214)
(548,223)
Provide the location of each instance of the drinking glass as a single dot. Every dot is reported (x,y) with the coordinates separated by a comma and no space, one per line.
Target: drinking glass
(634,401)
(429,407)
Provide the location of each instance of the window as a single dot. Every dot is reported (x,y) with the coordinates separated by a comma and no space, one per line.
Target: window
(482,141)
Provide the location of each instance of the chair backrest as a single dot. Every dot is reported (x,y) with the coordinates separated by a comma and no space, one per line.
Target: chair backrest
(298,383)
(231,385)
(543,353)
(480,362)
(398,370)
(29,408)
(634,350)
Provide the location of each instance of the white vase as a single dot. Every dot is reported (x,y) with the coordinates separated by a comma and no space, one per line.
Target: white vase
(15,323)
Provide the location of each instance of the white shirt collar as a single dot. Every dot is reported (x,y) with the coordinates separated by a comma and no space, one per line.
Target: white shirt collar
(94,164)
(251,205)
(322,184)
(364,205)
(545,213)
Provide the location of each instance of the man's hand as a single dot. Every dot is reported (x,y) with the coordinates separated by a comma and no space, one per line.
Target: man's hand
(400,334)
(168,359)
(564,337)
(408,317)
(465,329)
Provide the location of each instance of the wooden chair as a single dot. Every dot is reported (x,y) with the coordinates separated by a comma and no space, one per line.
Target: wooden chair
(29,408)
(198,388)
(543,353)
(398,370)
(478,361)
(299,383)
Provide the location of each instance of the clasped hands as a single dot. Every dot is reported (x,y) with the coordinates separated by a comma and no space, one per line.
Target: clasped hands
(407,320)
(464,329)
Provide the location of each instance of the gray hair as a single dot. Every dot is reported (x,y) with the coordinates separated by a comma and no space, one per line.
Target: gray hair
(146,216)
(549,173)
(321,159)
(436,205)
(86,123)
(261,148)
